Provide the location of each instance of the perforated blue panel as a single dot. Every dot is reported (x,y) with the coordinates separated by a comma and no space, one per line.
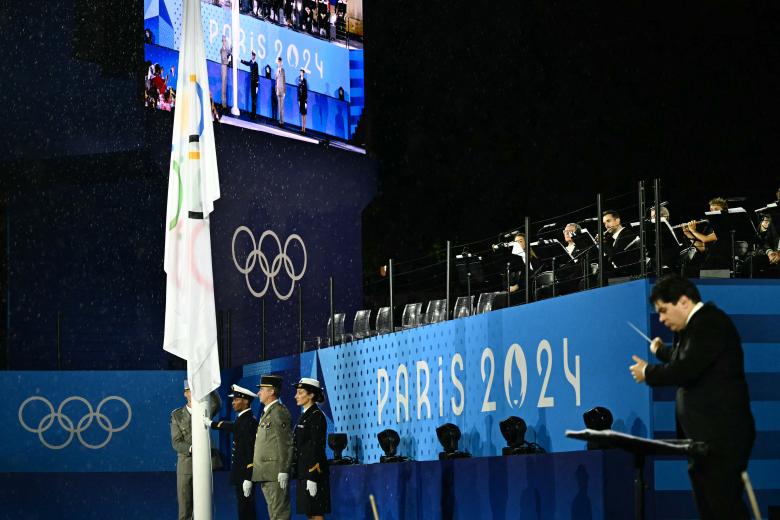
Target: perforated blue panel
(477,371)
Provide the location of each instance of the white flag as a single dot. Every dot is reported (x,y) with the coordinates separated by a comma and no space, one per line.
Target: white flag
(193,186)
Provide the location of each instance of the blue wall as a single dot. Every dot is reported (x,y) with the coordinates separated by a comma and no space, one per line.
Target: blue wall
(85,238)
(592,323)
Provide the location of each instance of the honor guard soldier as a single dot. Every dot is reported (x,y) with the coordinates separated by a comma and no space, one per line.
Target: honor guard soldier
(244,429)
(311,462)
(181,439)
(273,449)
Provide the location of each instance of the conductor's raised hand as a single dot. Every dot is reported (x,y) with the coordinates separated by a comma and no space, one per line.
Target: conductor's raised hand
(656,344)
(638,369)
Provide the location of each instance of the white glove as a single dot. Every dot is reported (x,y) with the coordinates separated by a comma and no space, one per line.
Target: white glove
(282,478)
(206,422)
(311,487)
(247,485)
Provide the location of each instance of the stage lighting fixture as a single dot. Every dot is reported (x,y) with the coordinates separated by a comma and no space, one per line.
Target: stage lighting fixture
(513,429)
(338,442)
(598,418)
(449,435)
(388,441)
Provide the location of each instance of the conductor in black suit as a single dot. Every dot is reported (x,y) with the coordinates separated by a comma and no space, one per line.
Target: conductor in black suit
(254,80)
(244,430)
(620,246)
(705,363)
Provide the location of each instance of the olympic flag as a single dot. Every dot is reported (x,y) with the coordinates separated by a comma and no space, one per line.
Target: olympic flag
(193,186)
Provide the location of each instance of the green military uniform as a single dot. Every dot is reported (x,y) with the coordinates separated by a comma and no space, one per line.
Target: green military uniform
(273,455)
(181,439)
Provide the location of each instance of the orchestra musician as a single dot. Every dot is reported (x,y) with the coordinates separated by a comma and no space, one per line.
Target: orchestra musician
(519,249)
(571,276)
(718,253)
(568,238)
(670,245)
(766,257)
(619,245)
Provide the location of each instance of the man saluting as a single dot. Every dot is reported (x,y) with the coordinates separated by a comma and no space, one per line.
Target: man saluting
(243,429)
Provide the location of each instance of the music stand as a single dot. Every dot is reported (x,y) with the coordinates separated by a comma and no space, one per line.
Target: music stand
(468,266)
(731,223)
(670,244)
(555,252)
(640,447)
(772,209)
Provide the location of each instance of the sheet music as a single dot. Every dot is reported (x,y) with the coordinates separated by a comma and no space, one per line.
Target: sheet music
(730,210)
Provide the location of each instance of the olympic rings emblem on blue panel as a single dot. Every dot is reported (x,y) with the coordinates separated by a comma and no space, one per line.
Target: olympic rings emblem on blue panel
(67,424)
(272,269)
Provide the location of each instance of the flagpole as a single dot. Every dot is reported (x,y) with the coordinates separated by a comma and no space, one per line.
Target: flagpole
(193,187)
(201,461)
(234,29)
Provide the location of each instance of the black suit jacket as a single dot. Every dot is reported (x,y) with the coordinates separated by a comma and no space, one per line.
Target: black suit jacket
(310,460)
(244,430)
(705,362)
(254,73)
(616,249)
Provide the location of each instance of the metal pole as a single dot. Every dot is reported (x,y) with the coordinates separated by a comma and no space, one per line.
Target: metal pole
(586,270)
(733,256)
(600,238)
(657,194)
(527,258)
(262,312)
(642,263)
(229,340)
(449,255)
(468,292)
(553,276)
(234,32)
(220,338)
(508,284)
(332,331)
(59,340)
(390,276)
(300,318)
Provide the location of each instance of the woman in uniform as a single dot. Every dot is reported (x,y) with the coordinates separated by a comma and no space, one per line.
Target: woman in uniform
(309,459)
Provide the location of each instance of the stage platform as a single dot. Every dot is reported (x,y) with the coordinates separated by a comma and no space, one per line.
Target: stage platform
(579,485)
(546,362)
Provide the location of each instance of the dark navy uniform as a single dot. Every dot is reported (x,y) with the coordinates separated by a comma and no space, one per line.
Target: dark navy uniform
(254,80)
(303,95)
(244,430)
(311,462)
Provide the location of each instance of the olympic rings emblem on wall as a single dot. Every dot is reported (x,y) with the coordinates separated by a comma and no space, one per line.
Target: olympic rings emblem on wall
(66,423)
(270,269)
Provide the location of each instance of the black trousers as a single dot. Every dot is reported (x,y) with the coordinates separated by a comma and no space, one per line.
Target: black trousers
(717,486)
(253,96)
(246,505)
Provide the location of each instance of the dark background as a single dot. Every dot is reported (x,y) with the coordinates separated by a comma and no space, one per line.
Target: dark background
(481,115)
(478,115)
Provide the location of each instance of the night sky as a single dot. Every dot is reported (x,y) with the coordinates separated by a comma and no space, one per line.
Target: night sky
(480,117)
